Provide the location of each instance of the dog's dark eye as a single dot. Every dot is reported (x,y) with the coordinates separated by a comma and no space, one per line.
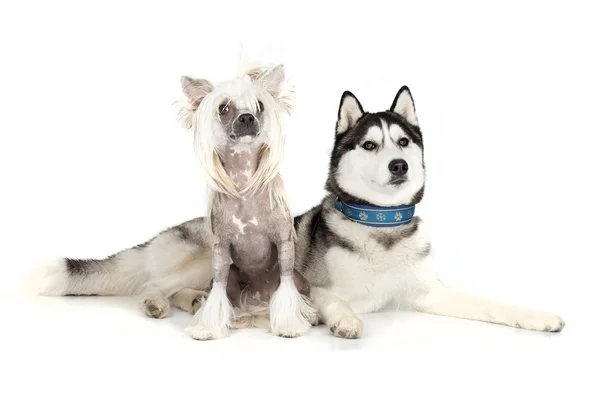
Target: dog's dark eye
(403,142)
(261,108)
(223,109)
(368,145)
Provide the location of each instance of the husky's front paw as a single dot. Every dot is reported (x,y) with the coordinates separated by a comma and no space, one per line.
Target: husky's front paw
(200,332)
(157,307)
(347,328)
(538,321)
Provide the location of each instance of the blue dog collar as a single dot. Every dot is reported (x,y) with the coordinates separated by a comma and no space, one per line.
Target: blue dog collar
(376,216)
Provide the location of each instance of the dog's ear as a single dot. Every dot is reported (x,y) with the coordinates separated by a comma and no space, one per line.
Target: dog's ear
(405,106)
(195,90)
(272,80)
(349,113)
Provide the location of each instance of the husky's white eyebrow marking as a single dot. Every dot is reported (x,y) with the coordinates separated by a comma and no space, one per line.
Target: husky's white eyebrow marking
(385,128)
(375,134)
(396,132)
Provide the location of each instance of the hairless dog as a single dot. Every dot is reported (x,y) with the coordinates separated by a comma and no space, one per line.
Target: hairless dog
(239,138)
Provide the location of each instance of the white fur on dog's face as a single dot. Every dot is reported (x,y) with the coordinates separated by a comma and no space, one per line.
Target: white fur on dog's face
(260,92)
(367,143)
(365,174)
(238,97)
(215,128)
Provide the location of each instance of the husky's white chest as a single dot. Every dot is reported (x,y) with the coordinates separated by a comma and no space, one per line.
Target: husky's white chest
(381,266)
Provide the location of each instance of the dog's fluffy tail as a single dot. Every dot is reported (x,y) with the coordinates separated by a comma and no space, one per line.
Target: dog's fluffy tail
(125,272)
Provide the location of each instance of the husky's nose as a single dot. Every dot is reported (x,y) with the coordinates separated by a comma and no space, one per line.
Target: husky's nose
(398,167)
(246,120)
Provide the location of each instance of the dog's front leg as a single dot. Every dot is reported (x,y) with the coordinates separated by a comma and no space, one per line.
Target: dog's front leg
(336,314)
(213,319)
(444,300)
(290,312)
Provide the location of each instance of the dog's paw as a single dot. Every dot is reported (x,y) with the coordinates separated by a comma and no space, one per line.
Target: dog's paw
(347,328)
(313,319)
(290,326)
(157,307)
(289,333)
(289,311)
(199,301)
(200,332)
(537,321)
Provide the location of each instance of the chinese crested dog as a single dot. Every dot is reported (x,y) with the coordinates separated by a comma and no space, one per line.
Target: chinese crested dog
(247,236)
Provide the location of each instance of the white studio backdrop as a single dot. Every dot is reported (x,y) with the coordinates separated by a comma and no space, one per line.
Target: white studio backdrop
(93,161)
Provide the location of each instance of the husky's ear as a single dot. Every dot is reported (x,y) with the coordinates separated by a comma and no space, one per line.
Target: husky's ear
(405,106)
(349,113)
(272,80)
(195,90)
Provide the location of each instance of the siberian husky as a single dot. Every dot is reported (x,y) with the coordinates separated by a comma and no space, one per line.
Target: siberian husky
(361,249)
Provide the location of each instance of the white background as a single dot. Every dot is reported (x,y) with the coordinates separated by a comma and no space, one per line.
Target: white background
(93,161)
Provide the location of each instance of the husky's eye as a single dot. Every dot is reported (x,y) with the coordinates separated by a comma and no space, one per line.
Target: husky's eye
(368,145)
(261,108)
(223,109)
(403,142)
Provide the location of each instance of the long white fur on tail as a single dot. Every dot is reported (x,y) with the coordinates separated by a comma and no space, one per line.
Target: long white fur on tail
(290,311)
(49,279)
(120,275)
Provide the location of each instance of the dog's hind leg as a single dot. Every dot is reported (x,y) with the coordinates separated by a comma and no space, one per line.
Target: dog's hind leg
(444,300)
(189,300)
(195,273)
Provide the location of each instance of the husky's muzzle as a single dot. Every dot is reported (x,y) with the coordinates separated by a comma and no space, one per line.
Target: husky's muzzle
(398,168)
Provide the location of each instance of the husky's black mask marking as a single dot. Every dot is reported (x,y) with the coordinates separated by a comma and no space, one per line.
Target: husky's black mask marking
(396,139)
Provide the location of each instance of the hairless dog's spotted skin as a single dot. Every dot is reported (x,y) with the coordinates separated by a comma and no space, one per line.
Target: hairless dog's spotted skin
(258,240)
(239,141)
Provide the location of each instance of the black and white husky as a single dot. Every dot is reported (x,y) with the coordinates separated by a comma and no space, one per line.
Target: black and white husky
(361,249)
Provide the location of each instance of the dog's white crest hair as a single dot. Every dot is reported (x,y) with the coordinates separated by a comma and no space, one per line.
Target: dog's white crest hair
(255,69)
(199,113)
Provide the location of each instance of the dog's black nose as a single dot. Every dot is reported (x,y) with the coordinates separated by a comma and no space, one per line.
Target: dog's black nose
(398,167)
(246,119)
